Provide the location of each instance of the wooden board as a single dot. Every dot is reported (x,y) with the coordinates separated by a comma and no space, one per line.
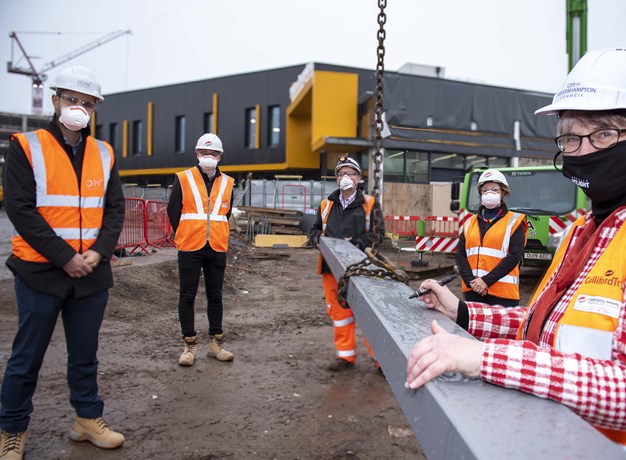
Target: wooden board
(268,241)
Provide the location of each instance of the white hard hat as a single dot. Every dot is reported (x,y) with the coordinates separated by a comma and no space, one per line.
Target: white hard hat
(209,141)
(492,175)
(80,79)
(597,82)
(347,161)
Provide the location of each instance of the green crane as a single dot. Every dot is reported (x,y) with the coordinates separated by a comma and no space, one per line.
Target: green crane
(576,30)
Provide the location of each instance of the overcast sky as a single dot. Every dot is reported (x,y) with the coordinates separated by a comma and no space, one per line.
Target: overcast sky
(519,44)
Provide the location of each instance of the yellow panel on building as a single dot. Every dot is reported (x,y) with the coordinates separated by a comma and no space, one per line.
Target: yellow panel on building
(325,107)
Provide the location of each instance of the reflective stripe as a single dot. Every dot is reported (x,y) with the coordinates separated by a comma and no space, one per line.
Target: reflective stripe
(327,205)
(215,213)
(105,157)
(591,343)
(77,234)
(343,322)
(195,192)
(482,251)
(346,353)
(218,217)
(193,216)
(505,279)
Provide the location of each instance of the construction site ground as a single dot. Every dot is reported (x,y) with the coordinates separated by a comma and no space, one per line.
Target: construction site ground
(276,400)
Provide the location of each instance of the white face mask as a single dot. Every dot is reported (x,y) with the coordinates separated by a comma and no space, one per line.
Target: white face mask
(74,117)
(207,162)
(346,183)
(490,200)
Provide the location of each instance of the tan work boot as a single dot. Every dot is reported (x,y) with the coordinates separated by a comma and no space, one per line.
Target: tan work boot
(12,445)
(216,350)
(96,431)
(189,354)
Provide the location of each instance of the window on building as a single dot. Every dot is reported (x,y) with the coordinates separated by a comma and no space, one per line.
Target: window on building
(498,162)
(273,136)
(250,128)
(99,132)
(416,167)
(208,122)
(394,165)
(181,134)
(475,161)
(137,137)
(445,167)
(114,136)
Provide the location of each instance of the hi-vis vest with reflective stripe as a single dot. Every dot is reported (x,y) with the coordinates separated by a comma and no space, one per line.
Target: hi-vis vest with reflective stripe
(591,317)
(191,233)
(74,212)
(326,205)
(483,256)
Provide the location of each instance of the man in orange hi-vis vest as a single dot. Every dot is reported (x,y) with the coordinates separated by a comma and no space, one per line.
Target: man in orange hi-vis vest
(349,214)
(199,207)
(64,197)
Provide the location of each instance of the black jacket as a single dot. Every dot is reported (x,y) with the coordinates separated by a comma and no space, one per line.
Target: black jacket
(348,223)
(20,199)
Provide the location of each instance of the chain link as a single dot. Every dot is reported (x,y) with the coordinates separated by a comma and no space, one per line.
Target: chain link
(386,268)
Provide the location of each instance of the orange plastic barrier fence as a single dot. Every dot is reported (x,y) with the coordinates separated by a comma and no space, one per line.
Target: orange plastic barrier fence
(441,226)
(402,225)
(158,228)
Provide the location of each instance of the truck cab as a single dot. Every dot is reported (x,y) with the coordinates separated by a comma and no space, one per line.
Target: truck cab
(550,201)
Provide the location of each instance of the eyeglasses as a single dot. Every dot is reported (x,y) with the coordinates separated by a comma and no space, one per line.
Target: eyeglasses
(75,101)
(600,139)
(485,190)
(347,173)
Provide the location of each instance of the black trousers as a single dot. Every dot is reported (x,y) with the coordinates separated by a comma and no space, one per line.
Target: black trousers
(490,299)
(190,264)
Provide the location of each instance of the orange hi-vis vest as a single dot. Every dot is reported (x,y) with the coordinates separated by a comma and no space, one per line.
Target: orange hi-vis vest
(592,315)
(326,205)
(73,211)
(197,224)
(483,256)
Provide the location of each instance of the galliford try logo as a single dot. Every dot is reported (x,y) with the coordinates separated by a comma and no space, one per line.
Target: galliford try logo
(576,90)
(608,279)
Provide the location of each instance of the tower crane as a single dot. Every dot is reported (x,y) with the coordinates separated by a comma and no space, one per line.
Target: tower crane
(39,76)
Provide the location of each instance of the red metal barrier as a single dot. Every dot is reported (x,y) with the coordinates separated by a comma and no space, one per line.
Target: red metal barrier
(158,228)
(402,225)
(441,226)
(134,230)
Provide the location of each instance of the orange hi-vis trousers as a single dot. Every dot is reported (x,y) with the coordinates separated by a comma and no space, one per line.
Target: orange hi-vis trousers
(343,322)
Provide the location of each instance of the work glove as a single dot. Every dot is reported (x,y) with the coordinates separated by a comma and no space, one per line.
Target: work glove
(314,238)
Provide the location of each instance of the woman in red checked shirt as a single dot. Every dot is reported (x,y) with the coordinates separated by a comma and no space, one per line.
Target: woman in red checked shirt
(573,334)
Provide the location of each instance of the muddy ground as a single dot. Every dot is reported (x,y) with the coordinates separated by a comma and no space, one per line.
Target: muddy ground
(276,400)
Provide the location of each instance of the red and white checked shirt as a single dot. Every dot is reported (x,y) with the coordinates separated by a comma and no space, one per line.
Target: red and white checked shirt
(593,388)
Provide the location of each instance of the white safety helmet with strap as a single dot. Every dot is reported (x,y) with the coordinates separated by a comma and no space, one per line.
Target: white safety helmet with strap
(597,82)
(209,141)
(347,161)
(80,79)
(492,175)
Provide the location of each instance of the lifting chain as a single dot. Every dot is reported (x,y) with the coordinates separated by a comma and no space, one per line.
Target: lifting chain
(386,268)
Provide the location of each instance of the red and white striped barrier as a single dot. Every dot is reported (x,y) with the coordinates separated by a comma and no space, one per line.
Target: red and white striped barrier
(436,244)
(560,223)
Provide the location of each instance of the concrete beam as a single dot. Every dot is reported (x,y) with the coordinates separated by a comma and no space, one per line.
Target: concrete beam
(454,417)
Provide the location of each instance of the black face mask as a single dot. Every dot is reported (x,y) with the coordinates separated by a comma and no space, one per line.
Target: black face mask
(602,176)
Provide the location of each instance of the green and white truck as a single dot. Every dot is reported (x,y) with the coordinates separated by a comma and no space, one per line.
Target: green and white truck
(550,201)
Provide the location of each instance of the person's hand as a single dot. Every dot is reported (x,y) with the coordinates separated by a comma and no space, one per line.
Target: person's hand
(440,298)
(314,238)
(77,267)
(442,352)
(479,286)
(93,258)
